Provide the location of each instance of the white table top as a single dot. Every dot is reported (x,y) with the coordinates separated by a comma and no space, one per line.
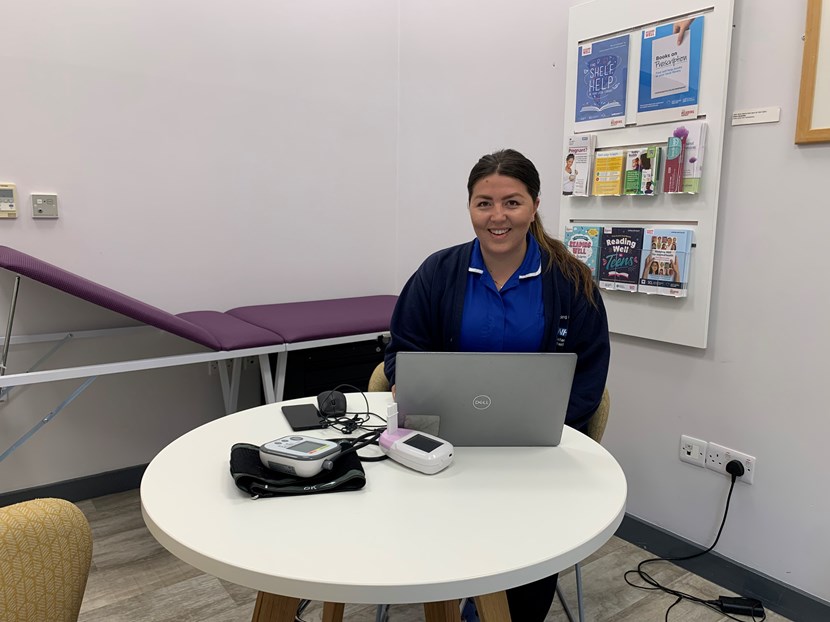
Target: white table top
(494,519)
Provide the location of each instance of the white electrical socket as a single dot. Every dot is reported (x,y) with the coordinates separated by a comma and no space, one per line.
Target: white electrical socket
(718,456)
(693,450)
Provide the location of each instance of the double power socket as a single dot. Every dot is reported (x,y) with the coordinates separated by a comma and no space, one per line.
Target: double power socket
(715,457)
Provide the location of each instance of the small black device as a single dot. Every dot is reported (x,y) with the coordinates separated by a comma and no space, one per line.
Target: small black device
(303,417)
(332,403)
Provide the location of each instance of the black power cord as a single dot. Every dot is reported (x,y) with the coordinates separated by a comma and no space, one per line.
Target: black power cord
(370,438)
(726,605)
(350,421)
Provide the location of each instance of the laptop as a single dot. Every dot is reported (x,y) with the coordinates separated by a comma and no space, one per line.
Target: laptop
(485,399)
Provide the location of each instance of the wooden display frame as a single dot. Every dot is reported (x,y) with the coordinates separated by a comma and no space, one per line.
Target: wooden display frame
(805,132)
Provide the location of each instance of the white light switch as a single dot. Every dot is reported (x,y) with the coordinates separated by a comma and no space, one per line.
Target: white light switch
(44,206)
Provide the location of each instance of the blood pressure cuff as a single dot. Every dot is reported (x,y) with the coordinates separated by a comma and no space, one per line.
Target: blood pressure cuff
(254,478)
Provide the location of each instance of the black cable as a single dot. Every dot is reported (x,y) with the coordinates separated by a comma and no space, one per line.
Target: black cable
(344,423)
(716,605)
(364,440)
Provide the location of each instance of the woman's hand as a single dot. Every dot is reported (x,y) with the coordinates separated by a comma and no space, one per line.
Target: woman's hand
(646,266)
(680,29)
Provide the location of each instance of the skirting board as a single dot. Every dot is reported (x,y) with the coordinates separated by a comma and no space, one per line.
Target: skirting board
(81,488)
(776,596)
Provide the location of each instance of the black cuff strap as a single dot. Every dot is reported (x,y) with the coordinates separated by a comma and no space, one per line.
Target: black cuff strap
(251,476)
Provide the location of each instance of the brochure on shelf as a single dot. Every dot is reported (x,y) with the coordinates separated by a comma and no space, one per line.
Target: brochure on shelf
(608,172)
(578,165)
(619,266)
(670,67)
(633,171)
(650,175)
(601,84)
(666,258)
(693,154)
(583,242)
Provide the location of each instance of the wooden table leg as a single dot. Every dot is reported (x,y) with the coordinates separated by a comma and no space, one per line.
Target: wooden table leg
(443,611)
(274,608)
(333,612)
(493,607)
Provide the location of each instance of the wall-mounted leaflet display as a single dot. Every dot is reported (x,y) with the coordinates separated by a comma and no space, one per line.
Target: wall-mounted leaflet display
(670,65)
(647,227)
(602,82)
(646,260)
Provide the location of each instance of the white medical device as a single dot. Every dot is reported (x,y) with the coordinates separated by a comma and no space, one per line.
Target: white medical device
(298,455)
(417,450)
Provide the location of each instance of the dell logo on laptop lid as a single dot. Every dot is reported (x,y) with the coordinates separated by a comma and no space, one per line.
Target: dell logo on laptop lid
(482,402)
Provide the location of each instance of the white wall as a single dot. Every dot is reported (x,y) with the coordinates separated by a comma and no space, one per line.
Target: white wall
(221,145)
(206,155)
(476,76)
(295,106)
(479,76)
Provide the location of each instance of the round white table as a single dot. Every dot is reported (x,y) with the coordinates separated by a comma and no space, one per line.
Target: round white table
(494,519)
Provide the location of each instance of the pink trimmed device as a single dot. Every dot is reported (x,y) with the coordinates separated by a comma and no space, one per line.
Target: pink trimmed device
(417,450)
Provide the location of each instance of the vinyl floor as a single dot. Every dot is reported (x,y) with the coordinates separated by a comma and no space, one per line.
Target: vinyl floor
(134,579)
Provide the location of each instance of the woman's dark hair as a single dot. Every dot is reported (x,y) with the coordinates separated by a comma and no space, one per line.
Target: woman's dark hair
(511,163)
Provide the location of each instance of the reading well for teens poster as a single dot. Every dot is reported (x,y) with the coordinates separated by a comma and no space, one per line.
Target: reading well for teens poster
(601,83)
(620,258)
(670,67)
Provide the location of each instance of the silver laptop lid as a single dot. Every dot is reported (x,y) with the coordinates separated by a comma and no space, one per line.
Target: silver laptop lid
(485,399)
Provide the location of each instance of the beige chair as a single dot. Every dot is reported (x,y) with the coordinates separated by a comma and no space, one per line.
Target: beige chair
(45,554)
(596,428)
(378,381)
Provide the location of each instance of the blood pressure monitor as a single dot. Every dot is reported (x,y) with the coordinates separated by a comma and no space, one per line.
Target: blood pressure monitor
(298,455)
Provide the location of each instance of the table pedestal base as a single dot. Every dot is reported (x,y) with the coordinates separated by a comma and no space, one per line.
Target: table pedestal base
(274,608)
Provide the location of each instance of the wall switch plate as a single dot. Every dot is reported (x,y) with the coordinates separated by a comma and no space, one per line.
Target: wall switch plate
(44,206)
(693,450)
(718,456)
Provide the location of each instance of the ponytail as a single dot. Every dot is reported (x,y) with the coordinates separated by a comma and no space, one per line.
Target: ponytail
(558,255)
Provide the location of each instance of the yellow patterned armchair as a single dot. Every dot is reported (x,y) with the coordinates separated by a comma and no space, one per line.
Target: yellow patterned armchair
(45,554)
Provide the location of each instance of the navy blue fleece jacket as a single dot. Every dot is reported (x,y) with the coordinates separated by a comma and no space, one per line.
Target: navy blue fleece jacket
(428,314)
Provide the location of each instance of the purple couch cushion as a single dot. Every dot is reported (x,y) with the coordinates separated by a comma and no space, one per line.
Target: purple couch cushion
(231,333)
(321,319)
(244,327)
(51,275)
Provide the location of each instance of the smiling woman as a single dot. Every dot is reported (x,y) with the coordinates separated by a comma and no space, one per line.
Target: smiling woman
(513,288)
(501,211)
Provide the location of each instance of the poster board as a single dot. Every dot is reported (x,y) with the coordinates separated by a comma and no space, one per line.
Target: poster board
(813,122)
(683,321)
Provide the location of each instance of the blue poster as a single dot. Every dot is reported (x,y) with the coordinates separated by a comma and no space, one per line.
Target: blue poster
(670,71)
(601,84)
